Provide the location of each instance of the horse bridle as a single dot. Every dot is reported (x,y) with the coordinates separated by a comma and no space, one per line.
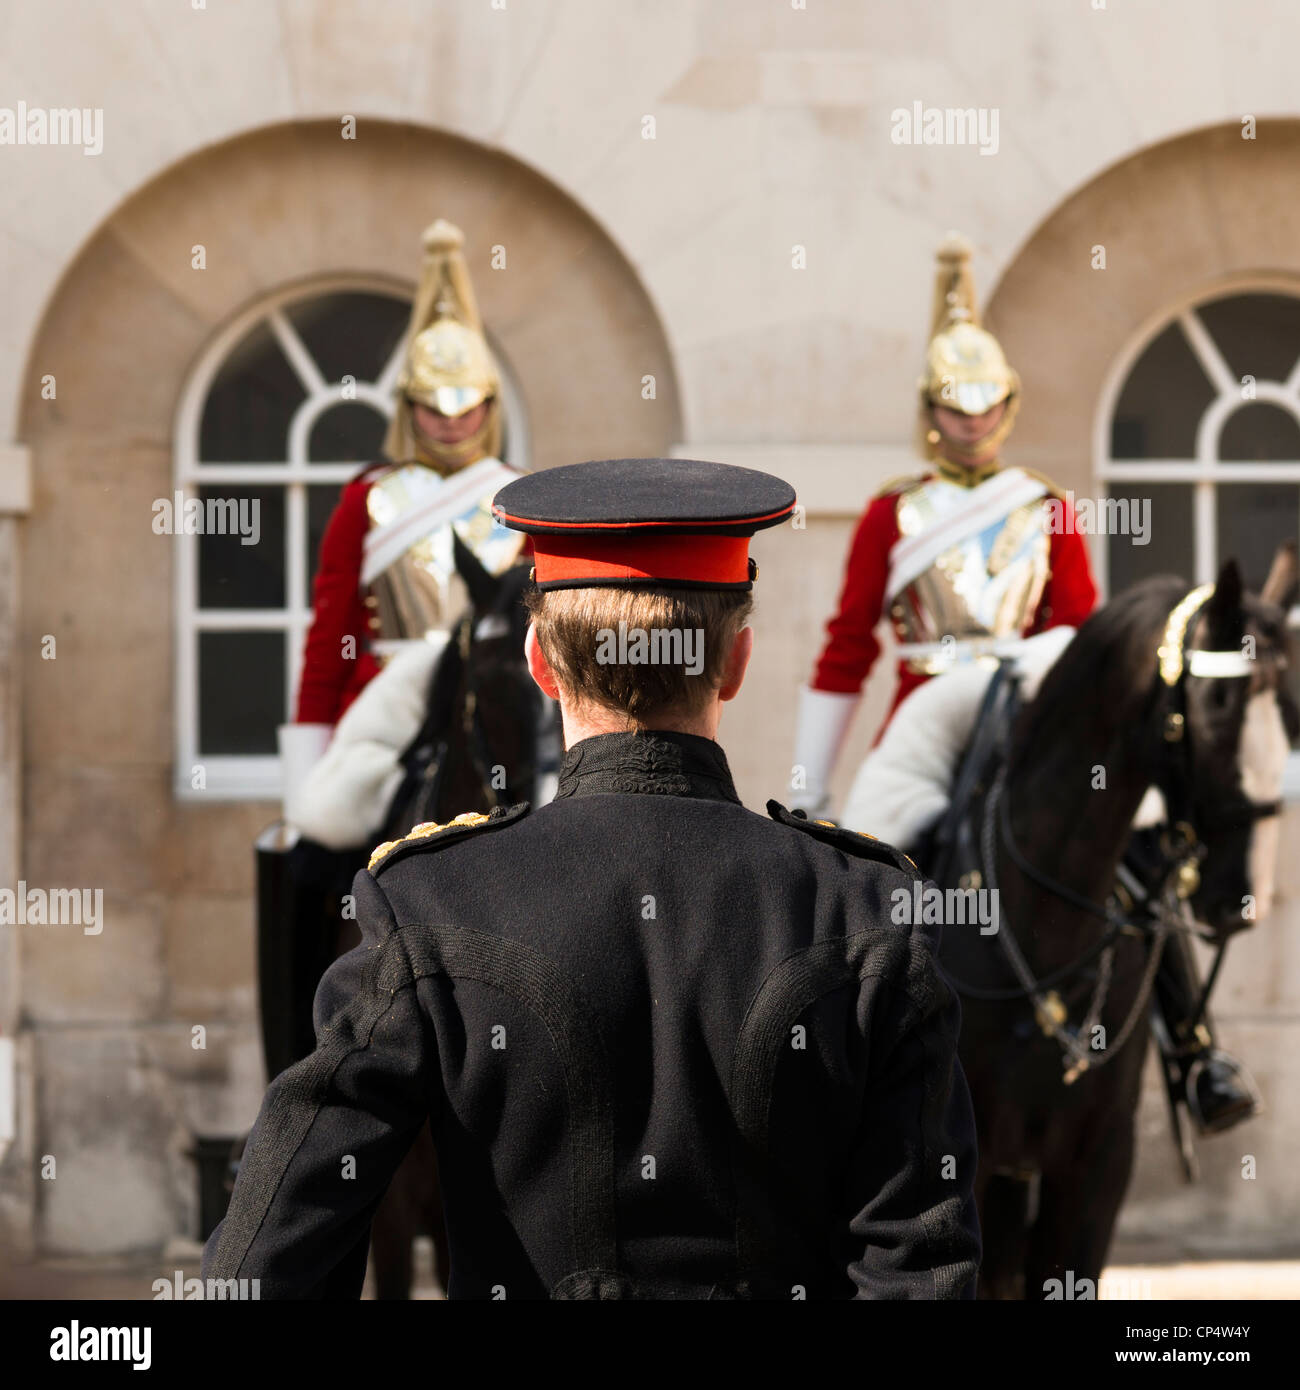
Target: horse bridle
(1180,873)
(471,723)
(427,772)
(1176,664)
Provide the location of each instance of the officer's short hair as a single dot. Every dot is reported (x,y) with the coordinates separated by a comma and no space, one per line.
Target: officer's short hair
(579,631)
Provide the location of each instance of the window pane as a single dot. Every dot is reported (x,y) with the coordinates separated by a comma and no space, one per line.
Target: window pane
(1254,519)
(350,333)
(241,691)
(246,415)
(347,433)
(321,502)
(235,575)
(1260,433)
(1168,535)
(1162,402)
(1258,334)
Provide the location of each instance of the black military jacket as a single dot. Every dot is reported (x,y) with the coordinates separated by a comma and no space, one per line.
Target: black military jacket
(669,1048)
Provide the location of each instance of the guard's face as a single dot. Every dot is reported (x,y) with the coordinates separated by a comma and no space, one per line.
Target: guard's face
(968,430)
(447,429)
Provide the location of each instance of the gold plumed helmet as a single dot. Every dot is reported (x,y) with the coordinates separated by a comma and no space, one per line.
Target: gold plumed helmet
(965,367)
(449,365)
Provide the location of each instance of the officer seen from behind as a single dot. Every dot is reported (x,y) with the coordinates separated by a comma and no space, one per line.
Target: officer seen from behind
(670,1047)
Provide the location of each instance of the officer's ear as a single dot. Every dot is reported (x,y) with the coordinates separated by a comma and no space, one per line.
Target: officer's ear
(733,673)
(538,666)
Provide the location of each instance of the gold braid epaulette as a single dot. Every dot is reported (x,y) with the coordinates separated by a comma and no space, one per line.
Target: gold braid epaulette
(857,842)
(865,835)
(422,832)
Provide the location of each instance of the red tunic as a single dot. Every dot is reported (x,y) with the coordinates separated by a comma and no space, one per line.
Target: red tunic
(331,680)
(851,645)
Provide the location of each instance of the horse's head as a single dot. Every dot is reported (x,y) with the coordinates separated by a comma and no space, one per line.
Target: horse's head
(497,612)
(1228,722)
(502,707)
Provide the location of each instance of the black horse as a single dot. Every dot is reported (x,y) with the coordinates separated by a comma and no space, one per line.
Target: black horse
(1057,1000)
(486,737)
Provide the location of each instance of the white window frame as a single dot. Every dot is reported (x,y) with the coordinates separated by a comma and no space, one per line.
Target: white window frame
(1204,472)
(230,777)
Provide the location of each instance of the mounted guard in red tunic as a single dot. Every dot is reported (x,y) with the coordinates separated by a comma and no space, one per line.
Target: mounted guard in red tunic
(963,557)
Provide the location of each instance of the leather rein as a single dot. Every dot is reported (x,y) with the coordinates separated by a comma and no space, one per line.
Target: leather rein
(1179,874)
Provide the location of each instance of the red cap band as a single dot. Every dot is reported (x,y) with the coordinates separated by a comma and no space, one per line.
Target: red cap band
(560,558)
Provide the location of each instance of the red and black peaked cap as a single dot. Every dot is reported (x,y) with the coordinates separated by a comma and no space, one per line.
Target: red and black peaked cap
(650,523)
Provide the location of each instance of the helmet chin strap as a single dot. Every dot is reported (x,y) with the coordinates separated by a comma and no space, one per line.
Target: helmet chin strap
(972,463)
(447,458)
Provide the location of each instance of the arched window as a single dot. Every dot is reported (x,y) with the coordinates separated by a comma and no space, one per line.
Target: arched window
(1201,419)
(286,405)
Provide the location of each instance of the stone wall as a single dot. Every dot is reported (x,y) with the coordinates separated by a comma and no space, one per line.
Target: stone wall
(671,256)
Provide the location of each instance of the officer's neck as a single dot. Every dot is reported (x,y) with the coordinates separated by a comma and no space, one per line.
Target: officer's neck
(587,721)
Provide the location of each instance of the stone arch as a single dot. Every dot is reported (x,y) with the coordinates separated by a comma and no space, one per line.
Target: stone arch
(120,336)
(1193,213)
(294,201)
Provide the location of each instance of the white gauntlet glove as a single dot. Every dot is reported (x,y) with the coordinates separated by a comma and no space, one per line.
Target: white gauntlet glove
(824,719)
(301,748)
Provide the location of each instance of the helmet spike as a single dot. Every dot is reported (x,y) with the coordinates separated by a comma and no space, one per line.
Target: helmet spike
(449,365)
(441,236)
(954,286)
(965,368)
(445,290)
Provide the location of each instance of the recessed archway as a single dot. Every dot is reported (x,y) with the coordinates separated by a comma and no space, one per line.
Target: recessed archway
(121,335)
(1180,217)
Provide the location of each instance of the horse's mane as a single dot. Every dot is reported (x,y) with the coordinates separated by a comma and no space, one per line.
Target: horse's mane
(1112,658)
